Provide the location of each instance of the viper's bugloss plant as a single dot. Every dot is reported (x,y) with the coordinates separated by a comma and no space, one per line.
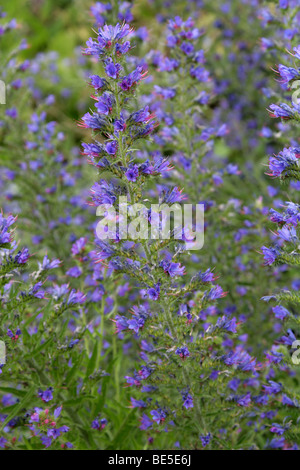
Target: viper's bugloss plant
(186,370)
(26,334)
(38,179)
(198,132)
(285,166)
(112,337)
(185,133)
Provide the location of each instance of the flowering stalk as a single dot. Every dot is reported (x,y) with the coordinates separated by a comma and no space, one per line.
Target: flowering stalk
(175,351)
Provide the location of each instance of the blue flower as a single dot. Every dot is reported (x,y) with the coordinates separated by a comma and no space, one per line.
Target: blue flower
(46,395)
(205,439)
(270,254)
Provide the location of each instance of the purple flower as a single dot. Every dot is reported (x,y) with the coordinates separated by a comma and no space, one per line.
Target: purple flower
(73,342)
(273,388)
(280,312)
(289,339)
(187,48)
(74,272)
(121,323)
(277,443)
(244,400)
(173,195)
(12,112)
(105,103)
(98,10)
(103,192)
(120,125)
(188,401)
(165,93)
(78,246)
(94,149)
(153,292)
(277,429)
(132,79)
(286,159)
(216,292)
(283,3)
(50,264)
(5,223)
(241,359)
(132,381)
(282,111)
(99,424)
(106,37)
(22,256)
(76,297)
(122,49)
(112,70)
(57,412)
(3,441)
(141,116)
(297,52)
(145,372)
(137,403)
(146,422)
(158,416)
(46,441)
(200,73)
(288,401)
(113,33)
(54,433)
(97,82)
(136,324)
(227,324)
(132,173)
(274,357)
(234,384)
(92,121)
(270,254)
(182,352)
(173,269)
(287,73)
(47,395)
(111,147)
